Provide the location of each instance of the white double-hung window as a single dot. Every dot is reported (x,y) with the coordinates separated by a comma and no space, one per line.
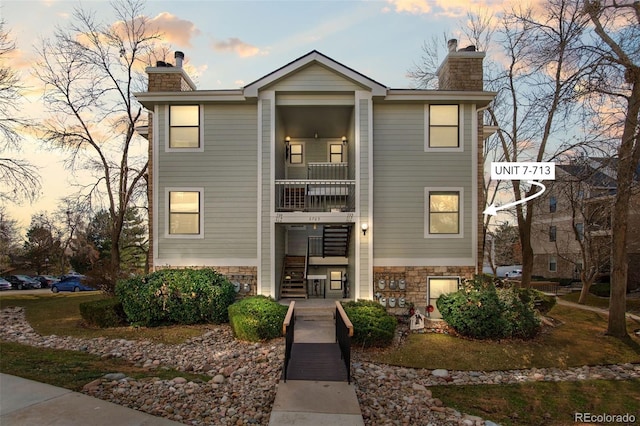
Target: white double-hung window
(443,128)
(443,212)
(184,130)
(184,212)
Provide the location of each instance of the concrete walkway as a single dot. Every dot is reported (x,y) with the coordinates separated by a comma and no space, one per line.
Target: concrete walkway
(312,403)
(592,308)
(25,402)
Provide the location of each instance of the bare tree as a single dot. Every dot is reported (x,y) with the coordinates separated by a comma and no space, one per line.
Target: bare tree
(18,178)
(90,71)
(9,238)
(535,89)
(612,57)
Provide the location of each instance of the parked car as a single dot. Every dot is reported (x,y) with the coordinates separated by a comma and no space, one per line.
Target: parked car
(4,284)
(22,282)
(71,283)
(46,280)
(516,273)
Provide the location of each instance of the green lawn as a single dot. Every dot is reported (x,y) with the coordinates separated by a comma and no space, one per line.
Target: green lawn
(569,344)
(59,314)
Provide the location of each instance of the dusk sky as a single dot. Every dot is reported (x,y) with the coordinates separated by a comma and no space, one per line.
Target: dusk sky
(228,44)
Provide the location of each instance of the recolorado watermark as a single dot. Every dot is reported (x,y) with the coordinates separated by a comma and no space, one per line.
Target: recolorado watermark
(604,418)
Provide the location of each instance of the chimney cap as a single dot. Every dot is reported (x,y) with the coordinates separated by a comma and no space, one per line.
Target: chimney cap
(452,45)
(178,54)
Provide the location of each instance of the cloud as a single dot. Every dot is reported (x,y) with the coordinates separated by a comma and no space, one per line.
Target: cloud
(237,46)
(175,30)
(450,8)
(414,7)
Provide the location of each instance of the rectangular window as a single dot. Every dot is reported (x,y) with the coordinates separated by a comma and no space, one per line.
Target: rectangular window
(552,233)
(444,212)
(444,126)
(438,287)
(336,153)
(184,213)
(184,126)
(296,153)
(335,280)
(553,264)
(579,231)
(553,204)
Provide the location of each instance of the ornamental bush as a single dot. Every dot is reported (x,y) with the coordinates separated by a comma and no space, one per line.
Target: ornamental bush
(482,311)
(103,313)
(176,296)
(257,318)
(372,325)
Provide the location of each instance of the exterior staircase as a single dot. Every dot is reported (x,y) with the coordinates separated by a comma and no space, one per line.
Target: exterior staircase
(335,240)
(293,282)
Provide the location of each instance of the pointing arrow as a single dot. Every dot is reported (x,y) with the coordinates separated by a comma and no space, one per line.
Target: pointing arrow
(492,210)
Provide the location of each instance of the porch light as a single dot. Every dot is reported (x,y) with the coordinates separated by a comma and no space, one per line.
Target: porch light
(287,146)
(364,227)
(344,140)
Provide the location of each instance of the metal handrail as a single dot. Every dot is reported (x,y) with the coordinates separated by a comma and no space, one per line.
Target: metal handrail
(317,195)
(344,332)
(288,327)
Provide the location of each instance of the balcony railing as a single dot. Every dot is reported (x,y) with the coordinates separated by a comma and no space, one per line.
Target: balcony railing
(315,195)
(328,171)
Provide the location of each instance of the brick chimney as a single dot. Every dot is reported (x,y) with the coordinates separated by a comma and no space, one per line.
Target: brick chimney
(461,69)
(165,77)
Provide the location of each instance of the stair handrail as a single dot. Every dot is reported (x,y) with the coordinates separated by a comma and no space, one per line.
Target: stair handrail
(344,332)
(288,327)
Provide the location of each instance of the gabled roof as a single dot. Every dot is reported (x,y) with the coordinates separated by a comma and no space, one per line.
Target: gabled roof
(377,89)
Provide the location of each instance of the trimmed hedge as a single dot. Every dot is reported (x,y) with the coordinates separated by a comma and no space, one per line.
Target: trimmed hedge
(372,325)
(176,296)
(601,289)
(257,318)
(482,311)
(104,313)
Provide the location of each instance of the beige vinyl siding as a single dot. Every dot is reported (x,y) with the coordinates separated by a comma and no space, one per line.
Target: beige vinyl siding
(226,171)
(268,286)
(315,78)
(402,171)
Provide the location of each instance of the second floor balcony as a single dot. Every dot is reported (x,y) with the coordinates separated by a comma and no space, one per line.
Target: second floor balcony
(326,189)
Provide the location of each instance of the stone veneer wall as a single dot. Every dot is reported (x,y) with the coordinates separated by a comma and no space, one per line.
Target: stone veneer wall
(161,79)
(242,274)
(416,282)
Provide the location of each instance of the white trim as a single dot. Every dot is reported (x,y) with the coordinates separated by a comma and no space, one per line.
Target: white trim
(169,189)
(474,185)
(460,147)
(371,224)
(259,202)
(357,242)
(232,261)
(155,148)
(423,261)
(167,132)
(271,95)
(461,200)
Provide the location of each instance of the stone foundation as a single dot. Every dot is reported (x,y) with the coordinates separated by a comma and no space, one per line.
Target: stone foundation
(415,284)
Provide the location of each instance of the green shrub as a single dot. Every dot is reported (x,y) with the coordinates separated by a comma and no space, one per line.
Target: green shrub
(602,289)
(103,313)
(257,318)
(482,311)
(176,296)
(372,325)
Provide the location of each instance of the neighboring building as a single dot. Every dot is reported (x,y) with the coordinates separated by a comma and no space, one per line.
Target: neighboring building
(317,181)
(575,211)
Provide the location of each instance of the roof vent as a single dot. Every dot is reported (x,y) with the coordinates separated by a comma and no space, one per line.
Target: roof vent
(471,48)
(179,58)
(452,45)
